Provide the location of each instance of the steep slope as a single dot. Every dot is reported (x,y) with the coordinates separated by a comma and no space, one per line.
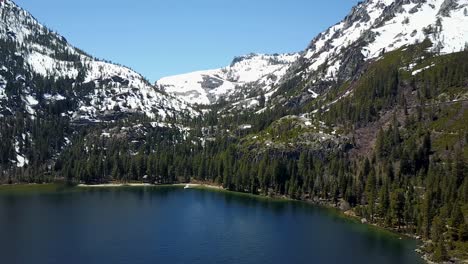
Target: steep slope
(246,78)
(334,57)
(41,52)
(48,88)
(373,28)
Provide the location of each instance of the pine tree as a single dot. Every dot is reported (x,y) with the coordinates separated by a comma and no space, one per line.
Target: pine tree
(437,236)
(397,203)
(463,232)
(371,193)
(456,221)
(384,204)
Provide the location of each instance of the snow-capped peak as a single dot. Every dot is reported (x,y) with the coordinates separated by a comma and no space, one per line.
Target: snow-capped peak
(377,26)
(257,71)
(49,55)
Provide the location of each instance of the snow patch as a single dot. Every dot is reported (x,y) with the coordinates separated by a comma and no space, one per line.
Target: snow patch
(314,94)
(416,72)
(3,84)
(56,97)
(245,127)
(21,160)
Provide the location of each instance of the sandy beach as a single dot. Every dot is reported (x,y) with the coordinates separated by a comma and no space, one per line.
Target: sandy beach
(116,185)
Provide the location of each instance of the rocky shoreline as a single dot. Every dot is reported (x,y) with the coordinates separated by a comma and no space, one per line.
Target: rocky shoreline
(348,212)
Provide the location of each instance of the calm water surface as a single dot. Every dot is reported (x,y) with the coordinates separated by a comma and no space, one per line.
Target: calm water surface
(173,225)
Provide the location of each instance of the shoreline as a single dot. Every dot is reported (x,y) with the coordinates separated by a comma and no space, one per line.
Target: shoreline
(118,185)
(424,256)
(112,185)
(344,214)
(205,186)
(210,186)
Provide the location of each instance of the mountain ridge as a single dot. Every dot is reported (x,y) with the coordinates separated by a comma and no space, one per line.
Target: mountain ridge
(49,54)
(338,54)
(260,71)
(252,83)
(379,26)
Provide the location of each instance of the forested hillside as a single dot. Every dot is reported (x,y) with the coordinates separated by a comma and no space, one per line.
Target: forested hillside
(49,90)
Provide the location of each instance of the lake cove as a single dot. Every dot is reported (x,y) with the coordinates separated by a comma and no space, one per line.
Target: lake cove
(51,224)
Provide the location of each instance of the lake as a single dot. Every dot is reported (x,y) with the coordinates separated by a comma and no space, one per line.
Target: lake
(173,225)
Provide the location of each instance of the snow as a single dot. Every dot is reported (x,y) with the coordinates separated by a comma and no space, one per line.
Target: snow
(395,34)
(340,37)
(158,124)
(416,72)
(455,31)
(146,100)
(21,161)
(124,89)
(56,97)
(135,94)
(19,77)
(188,87)
(245,127)
(260,70)
(30,102)
(254,103)
(314,94)
(261,111)
(3,84)
(402,29)
(45,65)
(327,107)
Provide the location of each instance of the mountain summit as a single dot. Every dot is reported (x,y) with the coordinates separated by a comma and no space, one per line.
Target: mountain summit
(372,28)
(95,88)
(52,88)
(375,27)
(249,74)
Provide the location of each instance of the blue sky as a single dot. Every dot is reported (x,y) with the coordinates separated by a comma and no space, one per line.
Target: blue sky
(159,38)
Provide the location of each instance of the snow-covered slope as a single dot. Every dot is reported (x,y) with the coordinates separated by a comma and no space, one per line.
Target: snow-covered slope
(377,26)
(252,72)
(372,28)
(44,80)
(48,54)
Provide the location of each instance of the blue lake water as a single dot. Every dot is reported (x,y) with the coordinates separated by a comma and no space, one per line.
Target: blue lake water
(173,225)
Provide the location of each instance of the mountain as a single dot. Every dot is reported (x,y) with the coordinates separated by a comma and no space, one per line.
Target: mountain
(379,26)
(46,83)
(335,56)
(241,82)
(33,51)
(373,28)
(353,77)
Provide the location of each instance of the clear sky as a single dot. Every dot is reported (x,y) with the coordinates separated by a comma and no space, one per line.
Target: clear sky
(159,38)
